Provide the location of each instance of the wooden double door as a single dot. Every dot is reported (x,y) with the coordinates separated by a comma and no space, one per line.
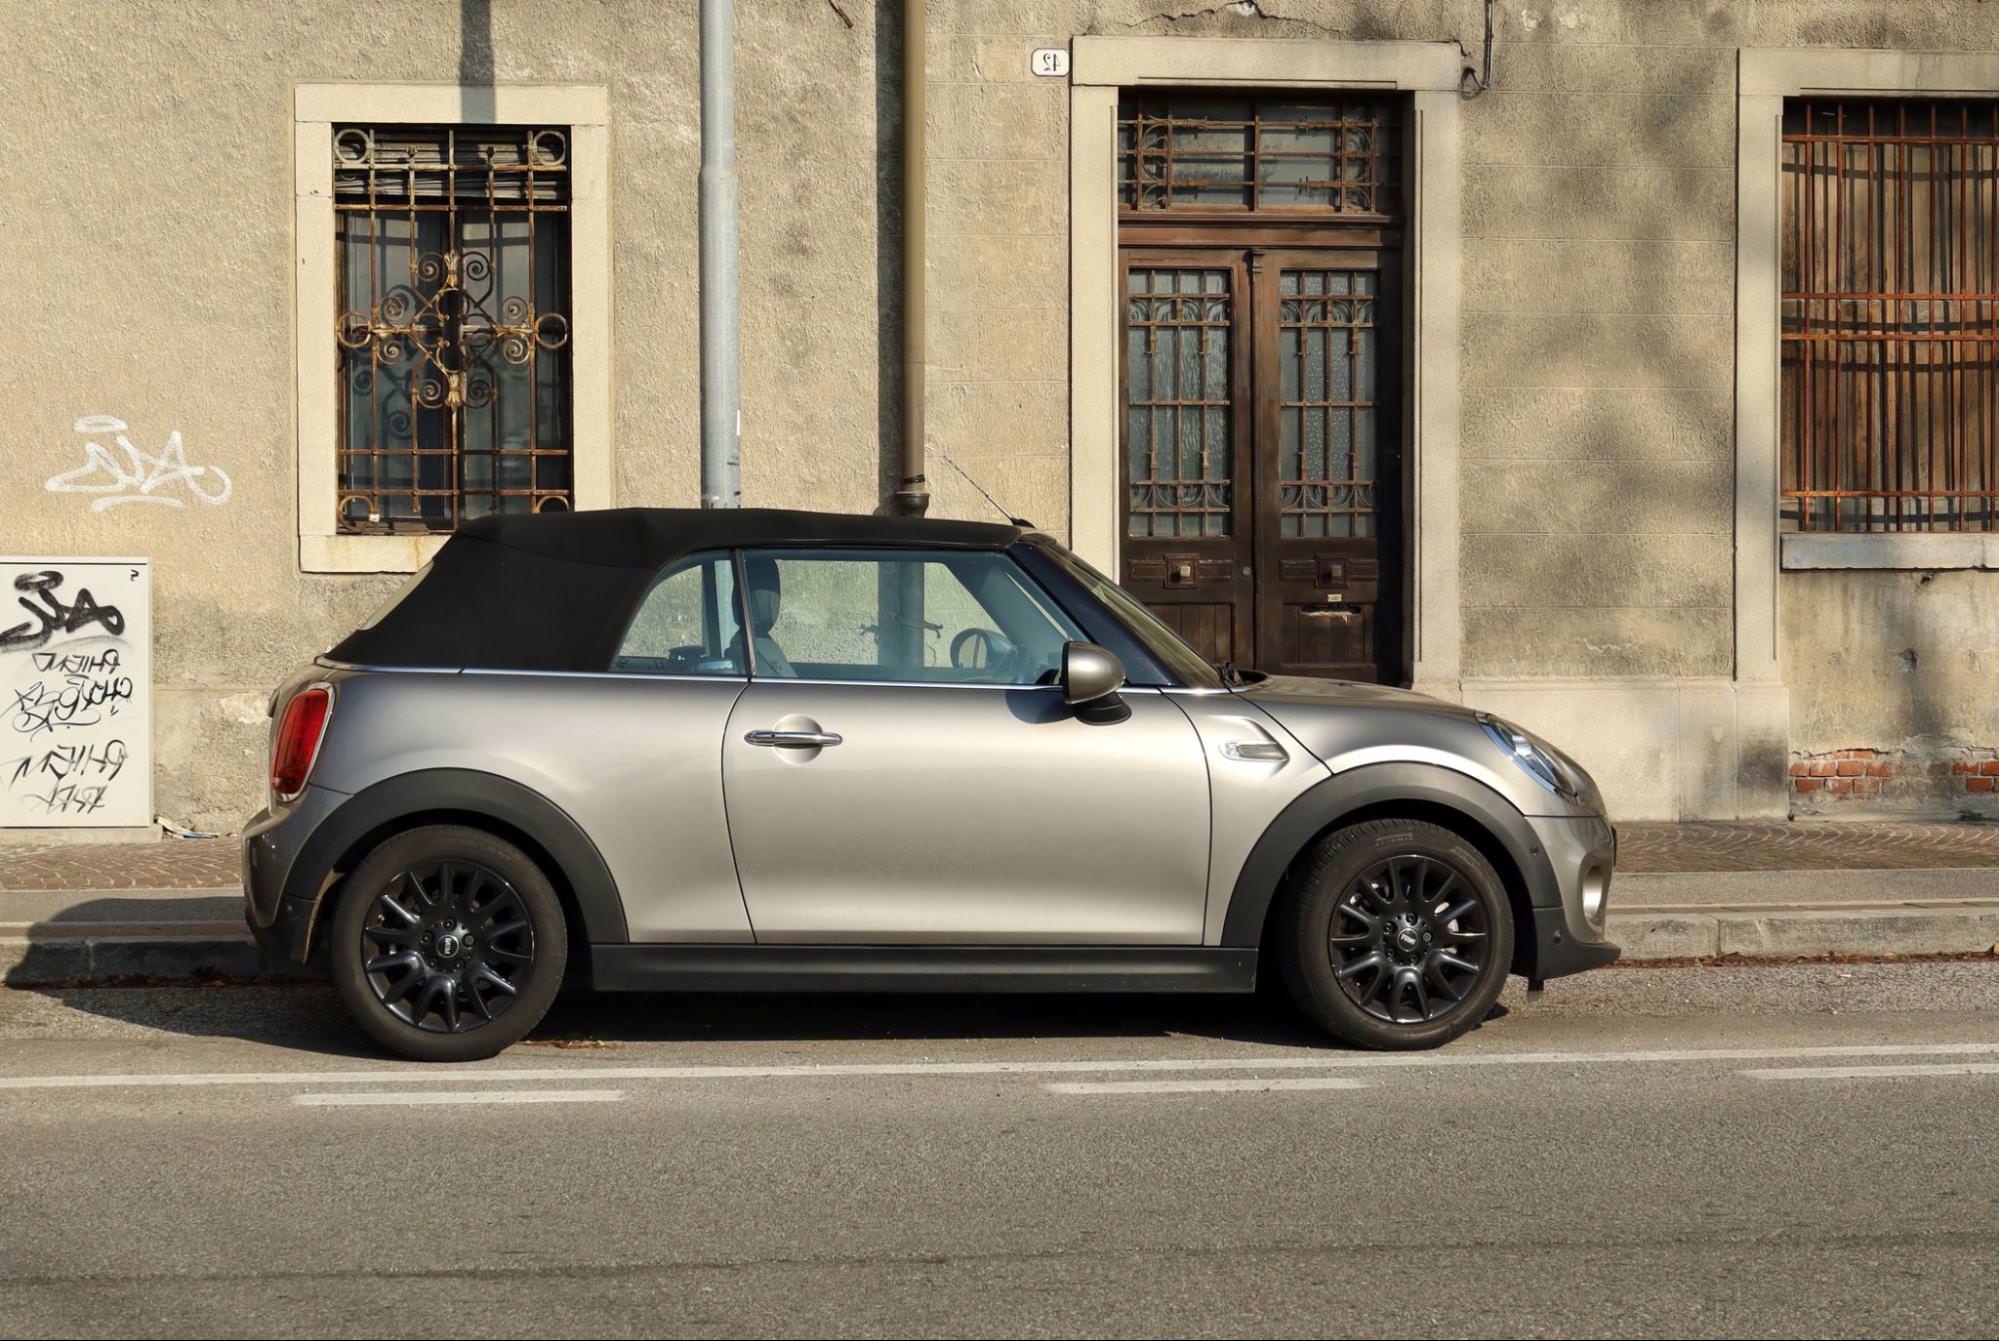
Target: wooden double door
(1263,473)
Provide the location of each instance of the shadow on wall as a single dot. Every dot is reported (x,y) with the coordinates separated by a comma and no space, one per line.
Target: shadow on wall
(477,102)
(888,251)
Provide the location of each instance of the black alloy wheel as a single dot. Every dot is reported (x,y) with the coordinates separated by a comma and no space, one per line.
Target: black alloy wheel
(1409,940)
(447,946)
(448,943)
(1394,933)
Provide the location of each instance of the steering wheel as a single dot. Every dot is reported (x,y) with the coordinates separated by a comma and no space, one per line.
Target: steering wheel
(980,649)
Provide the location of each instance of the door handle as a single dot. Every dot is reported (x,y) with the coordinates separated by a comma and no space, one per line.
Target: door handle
(793,740)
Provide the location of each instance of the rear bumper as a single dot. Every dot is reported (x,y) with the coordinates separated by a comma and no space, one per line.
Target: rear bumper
(278,911)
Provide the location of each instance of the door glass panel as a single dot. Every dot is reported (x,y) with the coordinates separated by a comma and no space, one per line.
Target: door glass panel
(1327,450)
(906,616)
(687,624)
(1179,411)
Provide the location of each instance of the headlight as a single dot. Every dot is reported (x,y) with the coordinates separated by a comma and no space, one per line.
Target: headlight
(1537,759)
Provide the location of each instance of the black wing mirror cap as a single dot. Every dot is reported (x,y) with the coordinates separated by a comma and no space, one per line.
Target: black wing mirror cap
(1090,674)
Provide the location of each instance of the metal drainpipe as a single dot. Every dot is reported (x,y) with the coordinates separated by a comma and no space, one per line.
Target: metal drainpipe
(912,493)
(721,304)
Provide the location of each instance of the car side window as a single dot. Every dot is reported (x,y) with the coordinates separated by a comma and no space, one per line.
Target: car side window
(915,616)
(688,623)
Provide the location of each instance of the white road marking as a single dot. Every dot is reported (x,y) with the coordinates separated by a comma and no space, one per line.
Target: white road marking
(1874,1072)
(398,1098)
(1203,1086)
(1326,1061)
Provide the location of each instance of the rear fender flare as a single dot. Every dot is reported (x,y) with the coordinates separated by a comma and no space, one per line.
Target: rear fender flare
(442,791)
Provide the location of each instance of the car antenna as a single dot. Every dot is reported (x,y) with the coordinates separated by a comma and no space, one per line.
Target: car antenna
(1017,521)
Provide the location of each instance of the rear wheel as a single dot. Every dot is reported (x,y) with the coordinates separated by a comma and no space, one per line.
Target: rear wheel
(448,944)
(1398,935)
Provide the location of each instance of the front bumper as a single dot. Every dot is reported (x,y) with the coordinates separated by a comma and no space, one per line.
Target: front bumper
(1569,931)
(279,914)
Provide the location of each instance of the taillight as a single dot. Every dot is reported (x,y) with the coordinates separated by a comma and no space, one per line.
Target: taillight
(299,734)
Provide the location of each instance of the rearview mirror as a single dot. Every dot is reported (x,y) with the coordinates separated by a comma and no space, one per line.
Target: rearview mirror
(1089,673)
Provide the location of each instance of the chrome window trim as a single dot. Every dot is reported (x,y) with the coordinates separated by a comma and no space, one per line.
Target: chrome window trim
(330,664)
(612,675)
(936,684)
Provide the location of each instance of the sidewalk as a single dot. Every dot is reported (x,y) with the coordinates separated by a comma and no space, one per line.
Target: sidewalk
(94,912)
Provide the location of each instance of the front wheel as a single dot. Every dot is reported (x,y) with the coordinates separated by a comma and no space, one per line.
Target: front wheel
(1398,935)
(448,944)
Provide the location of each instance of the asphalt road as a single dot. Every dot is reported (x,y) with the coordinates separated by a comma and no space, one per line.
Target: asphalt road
(1667,1152)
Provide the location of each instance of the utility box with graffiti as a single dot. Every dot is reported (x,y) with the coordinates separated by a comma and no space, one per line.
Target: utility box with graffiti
(76,652)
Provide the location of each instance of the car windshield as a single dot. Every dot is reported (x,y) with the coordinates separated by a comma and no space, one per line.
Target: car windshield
(1166,646)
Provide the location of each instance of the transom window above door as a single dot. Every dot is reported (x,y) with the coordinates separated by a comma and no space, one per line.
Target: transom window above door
(1185,151)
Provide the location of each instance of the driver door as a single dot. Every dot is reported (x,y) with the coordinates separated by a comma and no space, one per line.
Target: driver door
(902,768)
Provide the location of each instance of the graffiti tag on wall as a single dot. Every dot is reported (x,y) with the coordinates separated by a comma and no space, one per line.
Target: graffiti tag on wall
(129,475)
(75,692)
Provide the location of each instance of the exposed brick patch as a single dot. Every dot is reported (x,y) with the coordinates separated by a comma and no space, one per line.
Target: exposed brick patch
(1919,779)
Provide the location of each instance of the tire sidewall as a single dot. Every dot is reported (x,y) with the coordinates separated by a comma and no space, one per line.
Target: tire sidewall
(1327,878)
(451,843)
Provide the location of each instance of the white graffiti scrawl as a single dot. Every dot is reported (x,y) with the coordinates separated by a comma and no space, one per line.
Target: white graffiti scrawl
(140,477)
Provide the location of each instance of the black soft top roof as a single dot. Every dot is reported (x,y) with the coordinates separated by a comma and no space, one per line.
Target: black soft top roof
(554,592)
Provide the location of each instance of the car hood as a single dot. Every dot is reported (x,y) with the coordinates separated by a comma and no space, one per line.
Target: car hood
(1277,692)
(1347,724)
(1350,724)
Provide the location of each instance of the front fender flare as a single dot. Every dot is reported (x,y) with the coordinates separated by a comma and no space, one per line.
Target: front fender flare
(443,790)
(1326,803)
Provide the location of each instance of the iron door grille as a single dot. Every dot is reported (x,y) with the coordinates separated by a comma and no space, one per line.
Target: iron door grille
(453,273)
(1890,316)
(1183,151)
(1179,402)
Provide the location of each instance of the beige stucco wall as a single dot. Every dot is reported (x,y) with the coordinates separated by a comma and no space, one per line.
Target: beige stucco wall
(151,185)
(1901,665)
(149,181)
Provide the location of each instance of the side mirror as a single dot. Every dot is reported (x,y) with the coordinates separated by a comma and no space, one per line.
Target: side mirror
(1089,674)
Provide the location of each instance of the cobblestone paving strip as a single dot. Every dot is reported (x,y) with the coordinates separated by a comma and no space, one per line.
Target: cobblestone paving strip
(174,863)
(1830,845)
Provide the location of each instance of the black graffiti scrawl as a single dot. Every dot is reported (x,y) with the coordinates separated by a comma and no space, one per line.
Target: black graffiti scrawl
(74,740)
(51,616)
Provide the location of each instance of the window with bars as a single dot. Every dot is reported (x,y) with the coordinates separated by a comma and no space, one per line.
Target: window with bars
(1195,151)
(452,249)
(1179,401)
(1890,315)
(1328,445)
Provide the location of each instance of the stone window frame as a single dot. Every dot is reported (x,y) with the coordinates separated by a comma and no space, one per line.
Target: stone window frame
(1432,73)
(316,109)
(1766,77)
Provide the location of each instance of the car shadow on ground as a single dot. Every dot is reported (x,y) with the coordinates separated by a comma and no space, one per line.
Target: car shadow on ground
(183,966)
(306,1016)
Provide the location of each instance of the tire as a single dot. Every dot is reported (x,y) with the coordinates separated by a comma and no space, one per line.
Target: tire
(1401,898)
(465,937)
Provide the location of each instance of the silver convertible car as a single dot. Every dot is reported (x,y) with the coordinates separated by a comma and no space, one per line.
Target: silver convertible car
(654,750)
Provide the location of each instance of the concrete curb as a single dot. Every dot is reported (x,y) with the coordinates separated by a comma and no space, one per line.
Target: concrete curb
(1892,930)
(113,953)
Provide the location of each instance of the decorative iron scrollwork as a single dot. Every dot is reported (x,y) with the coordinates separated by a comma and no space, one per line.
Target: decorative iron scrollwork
(454,258)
